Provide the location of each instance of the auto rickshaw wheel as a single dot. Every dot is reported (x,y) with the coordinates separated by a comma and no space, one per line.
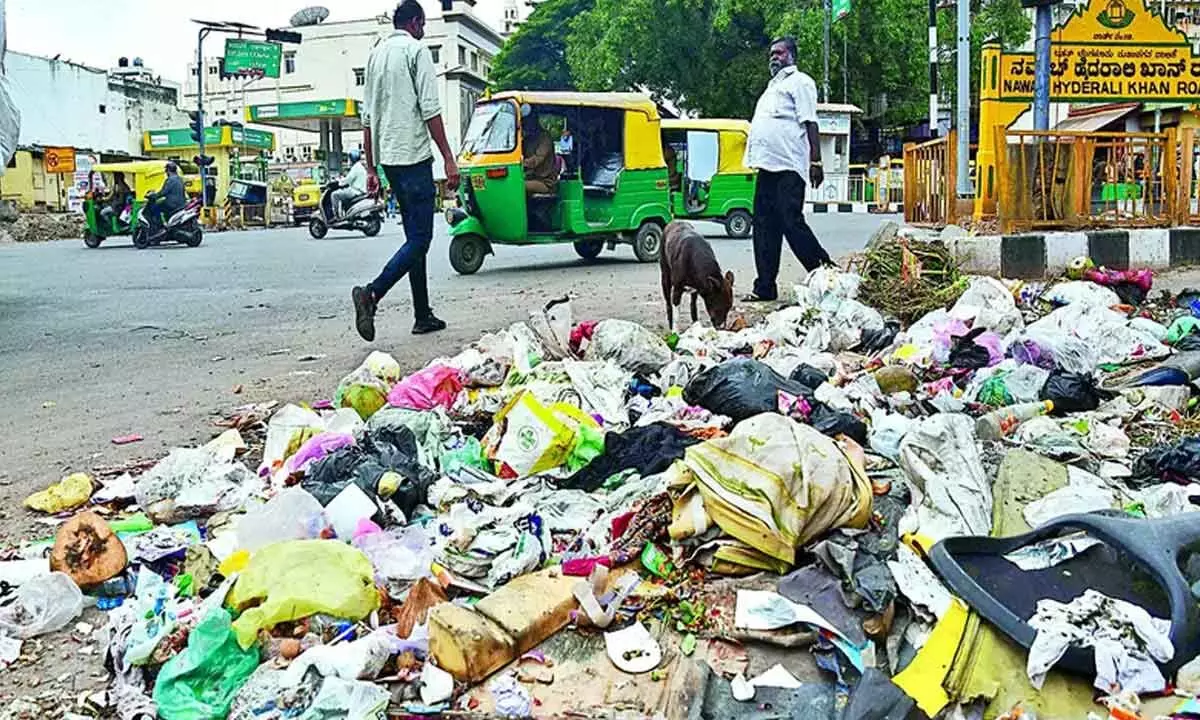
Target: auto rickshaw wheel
(589,249)
(317,228)
(373,226)
(141,237)
(92,240)
(738,224)
(647,244)
(467,253)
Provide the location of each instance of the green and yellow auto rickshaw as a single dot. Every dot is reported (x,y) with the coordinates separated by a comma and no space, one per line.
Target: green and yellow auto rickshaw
(116,195)
(709,181)
(610,183)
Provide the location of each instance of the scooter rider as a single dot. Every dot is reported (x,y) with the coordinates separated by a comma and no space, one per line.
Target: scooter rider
(169,200)
(354,185)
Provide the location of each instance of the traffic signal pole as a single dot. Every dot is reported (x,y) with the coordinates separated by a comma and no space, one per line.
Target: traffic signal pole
(200,75)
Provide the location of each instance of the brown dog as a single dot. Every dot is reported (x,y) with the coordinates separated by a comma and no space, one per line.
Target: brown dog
(687,261)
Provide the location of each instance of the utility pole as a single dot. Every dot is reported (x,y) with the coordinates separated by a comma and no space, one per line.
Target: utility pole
(827,8)
(1041,74)
(845,66)
(933,70)
(963,92)
(200,76)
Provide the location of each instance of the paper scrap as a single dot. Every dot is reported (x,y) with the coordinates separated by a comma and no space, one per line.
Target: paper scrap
(776,676)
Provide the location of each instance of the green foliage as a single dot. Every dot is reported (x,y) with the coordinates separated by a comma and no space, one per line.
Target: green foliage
(534,58)
(711,55)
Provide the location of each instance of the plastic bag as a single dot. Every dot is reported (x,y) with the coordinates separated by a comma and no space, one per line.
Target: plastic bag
(873,341)
(1070,392)
(192,483)
(66,494)
(292,426)
(887,431)
(629,345)
(431,429)
(383,464)
(966,353)
(808,376)
(436,386)
(951,492)
(348,700)
(741,388)
(41,605)
(837,422)
(529,437)
(552,325)
(200,682)
(487,362)
(293,514)
(362,392)
(316,448)
(292,580)
(398,554)
(1082,292)
(987,303)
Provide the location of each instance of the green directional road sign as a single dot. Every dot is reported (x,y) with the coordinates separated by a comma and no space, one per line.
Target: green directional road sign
(841,8)
(252,55)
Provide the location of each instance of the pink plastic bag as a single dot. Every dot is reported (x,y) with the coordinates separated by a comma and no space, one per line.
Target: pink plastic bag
(317,447)
(435,386)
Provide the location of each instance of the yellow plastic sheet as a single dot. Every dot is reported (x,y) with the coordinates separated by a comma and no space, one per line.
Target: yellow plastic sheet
(292,580)
(70,492)
(923,679)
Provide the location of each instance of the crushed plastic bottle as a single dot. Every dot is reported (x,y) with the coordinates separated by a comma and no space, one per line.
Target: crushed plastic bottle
(999,423)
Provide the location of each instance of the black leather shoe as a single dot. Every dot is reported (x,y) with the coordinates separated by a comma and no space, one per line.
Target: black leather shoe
(428,325)
(364,312)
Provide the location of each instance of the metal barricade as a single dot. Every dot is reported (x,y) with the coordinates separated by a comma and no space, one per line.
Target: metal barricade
(929,172)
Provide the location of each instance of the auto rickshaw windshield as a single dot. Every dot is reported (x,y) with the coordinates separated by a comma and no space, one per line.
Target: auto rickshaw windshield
(493,129)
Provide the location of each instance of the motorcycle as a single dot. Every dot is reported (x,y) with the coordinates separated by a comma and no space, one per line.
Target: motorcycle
(365,213)
(182,227)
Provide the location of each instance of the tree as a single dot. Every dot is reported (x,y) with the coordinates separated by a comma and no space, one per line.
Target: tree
(534,58)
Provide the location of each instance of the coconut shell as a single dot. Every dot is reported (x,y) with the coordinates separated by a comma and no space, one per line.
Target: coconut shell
(88,550)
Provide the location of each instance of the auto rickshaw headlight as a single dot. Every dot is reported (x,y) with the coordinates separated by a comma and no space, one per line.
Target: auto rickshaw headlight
(454,216)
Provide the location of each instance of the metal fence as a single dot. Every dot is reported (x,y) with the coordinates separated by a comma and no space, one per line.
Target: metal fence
(929,172)
(1067,179)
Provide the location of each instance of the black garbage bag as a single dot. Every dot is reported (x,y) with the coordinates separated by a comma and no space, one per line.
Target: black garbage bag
(386,450)
(837,422)
(808,376)
(1130,293)
(875,340)
(965,353)
(1071,392)
(649,450)
(1181,462)
(741,388)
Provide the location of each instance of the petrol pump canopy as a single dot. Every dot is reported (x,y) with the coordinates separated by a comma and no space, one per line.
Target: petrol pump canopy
(306,115)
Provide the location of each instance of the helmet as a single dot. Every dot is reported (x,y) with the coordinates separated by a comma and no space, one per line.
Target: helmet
(354,156)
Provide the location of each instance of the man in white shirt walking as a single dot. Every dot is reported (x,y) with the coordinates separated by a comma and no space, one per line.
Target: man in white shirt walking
(402,113)
(784,146)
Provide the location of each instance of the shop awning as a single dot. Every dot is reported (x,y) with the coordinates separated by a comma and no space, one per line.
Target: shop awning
(306,115)
(1095,121)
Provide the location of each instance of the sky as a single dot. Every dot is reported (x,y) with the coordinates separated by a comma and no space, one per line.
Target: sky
(97,32)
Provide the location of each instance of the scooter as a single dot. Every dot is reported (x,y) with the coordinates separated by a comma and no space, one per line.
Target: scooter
(365,213)
(182,227)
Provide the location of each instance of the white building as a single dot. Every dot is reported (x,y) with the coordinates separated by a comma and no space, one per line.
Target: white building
(331,62)
(72,105)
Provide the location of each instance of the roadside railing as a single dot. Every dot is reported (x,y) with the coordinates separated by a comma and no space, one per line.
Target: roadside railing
(929,172)
(1072,179)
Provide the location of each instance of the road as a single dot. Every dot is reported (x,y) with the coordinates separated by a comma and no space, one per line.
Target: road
(107,342)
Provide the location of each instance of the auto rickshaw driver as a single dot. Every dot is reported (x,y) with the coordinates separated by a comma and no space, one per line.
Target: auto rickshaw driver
(117,199)
(541,169)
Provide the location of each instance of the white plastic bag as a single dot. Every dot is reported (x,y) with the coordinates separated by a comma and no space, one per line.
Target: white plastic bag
(988,303)
(951,492)
(1082,292)
(293,514)
(629,345)
(42,605)
(400,554)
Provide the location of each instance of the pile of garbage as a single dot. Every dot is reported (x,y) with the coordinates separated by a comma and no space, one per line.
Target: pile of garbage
(16,226)
(569,518)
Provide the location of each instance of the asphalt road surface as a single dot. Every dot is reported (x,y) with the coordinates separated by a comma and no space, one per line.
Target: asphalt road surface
(100,343)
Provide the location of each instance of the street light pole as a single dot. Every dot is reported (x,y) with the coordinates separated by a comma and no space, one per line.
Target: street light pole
(933,70)
(963,115)
(1041,73)
(827,8)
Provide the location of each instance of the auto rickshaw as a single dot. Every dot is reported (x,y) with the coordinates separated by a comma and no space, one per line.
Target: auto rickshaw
(305,198)
(712,181)
(142,177)
(611,184)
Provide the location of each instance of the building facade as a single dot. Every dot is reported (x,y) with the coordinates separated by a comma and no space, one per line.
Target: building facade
(331,62)
(67,104)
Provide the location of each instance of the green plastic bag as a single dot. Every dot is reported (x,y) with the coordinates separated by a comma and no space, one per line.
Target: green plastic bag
(200,682)
(1182,326)
(298,578)
(994,391)
(469,454)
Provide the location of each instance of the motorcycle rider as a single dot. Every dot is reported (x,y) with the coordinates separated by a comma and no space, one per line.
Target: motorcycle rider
(169,200)
(354,185)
